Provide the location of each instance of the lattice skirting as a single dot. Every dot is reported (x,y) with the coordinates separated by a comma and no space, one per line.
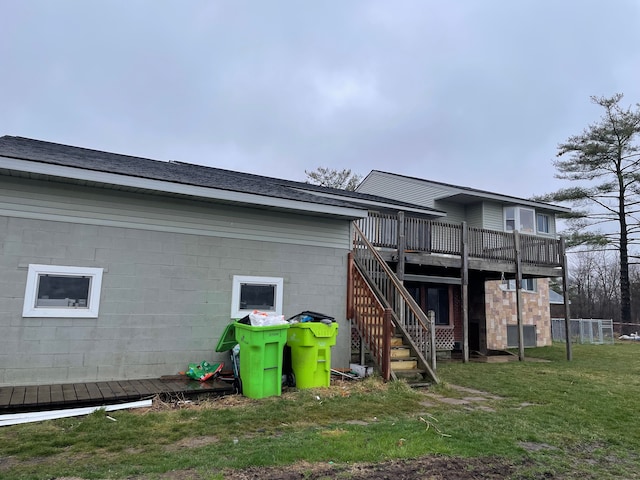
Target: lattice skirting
(444,339)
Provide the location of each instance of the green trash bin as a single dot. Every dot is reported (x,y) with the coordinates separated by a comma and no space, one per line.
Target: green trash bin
(311,344)
(261,351)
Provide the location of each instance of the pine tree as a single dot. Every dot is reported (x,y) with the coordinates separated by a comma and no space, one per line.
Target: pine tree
(604,160)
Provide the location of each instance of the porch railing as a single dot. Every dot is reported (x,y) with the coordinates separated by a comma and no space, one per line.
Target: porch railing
(430,236)
(406,314)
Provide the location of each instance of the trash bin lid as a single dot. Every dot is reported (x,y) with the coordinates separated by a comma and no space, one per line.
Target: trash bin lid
(228,339)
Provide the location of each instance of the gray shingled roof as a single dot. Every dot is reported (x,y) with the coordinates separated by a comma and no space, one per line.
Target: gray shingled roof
(184,173)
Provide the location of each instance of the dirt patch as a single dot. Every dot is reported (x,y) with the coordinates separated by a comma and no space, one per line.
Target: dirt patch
(431,468)
(192,442)
(425,468)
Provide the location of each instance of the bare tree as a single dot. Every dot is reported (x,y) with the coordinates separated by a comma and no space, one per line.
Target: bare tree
(329,177)
(594,284)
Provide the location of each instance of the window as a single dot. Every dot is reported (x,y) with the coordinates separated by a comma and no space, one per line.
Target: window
(528,284)
(543,223)
(256,293)
(438,301)
(55,291)
(432,298)
(519,218)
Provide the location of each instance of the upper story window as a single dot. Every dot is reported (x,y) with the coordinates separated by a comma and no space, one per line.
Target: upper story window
(57,291)
(256,293)
(543,223)
(519,218)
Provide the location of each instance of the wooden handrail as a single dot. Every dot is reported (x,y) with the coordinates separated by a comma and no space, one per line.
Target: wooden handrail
(431,236)
(407,315)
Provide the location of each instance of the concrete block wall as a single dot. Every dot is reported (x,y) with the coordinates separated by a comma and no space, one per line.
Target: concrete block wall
(166,298)
(501,311)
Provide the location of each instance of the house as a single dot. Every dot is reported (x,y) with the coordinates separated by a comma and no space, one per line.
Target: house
(118,267)
(463,265)
(115,267)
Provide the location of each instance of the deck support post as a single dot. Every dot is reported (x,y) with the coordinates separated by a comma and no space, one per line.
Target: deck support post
(516,242)
(431,315)
(565,292)
(464,247)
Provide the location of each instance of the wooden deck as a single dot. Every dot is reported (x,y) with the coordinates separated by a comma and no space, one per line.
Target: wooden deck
(71,395)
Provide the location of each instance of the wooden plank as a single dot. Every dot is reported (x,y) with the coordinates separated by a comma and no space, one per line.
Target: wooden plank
(94,391)
(142,388)
(174,387)
(5,396)
(160,386)
(105,390)
(56,394)
(69,393)
(17,396)
(118,390)
(150,386)
(44,394)
(82,393)
(129,388)
(31,395)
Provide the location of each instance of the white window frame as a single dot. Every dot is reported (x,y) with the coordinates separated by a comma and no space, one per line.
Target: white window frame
(516,219)
(511,285)
(548,217)
(30,309)
(239,280)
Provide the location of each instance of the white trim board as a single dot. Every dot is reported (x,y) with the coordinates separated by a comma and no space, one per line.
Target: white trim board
(17,418)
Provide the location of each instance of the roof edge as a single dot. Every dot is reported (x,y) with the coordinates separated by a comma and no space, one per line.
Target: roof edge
(229,196)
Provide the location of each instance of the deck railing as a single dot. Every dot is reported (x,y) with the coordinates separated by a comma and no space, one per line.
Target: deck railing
(406,314)
(430,236)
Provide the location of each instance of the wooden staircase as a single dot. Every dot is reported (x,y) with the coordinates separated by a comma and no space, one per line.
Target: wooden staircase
(396,332)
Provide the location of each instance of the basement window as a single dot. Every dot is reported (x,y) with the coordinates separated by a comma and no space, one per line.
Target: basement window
(58,291)
(256,293)
(528,285)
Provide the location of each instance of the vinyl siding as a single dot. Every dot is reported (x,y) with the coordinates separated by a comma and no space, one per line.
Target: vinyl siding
(402,189)
(56,201)
(474,215)
(493,217)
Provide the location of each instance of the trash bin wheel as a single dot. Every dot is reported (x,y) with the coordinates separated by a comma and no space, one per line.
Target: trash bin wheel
(237,386)
(291,379)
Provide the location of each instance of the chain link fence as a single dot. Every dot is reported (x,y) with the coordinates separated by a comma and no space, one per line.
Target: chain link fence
(596,331)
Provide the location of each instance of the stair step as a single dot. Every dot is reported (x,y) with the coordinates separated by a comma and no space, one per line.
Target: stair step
(397,341)
(410,375)
(404,364)
(400,353)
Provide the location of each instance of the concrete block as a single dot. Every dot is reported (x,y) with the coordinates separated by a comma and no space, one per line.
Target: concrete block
(86,373)
(68,360)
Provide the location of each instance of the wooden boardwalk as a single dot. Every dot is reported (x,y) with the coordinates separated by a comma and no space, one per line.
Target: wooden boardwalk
(71,395)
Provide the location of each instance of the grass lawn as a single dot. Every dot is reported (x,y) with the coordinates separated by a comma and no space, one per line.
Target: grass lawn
(544,419)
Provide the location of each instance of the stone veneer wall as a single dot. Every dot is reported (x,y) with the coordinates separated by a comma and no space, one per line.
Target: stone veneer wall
(501,311)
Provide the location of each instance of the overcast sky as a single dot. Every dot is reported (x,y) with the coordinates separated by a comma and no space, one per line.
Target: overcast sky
(469,92)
